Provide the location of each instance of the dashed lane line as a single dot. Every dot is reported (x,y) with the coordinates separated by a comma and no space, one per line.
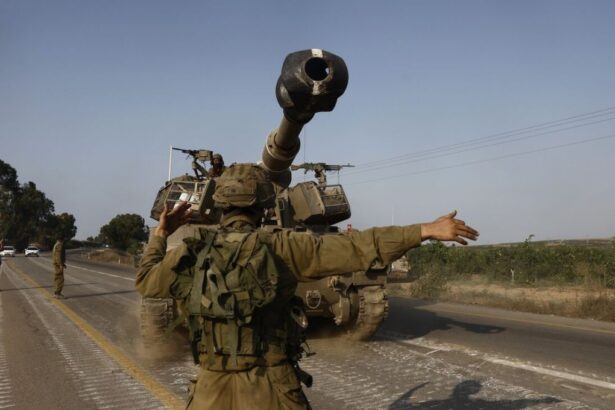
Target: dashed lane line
(158,390)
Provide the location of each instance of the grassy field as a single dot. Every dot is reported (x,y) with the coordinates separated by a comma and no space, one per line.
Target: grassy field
(573,278)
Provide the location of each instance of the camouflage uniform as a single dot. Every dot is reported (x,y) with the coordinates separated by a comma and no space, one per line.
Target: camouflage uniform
(217,168)
(215,172)
(1,249)
(59,263)
(269,381)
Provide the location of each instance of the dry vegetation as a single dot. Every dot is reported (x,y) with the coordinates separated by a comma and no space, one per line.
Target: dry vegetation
(566,279)
(571,301)
(111,256)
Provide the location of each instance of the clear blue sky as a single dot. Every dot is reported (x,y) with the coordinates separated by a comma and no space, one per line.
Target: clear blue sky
(92,93)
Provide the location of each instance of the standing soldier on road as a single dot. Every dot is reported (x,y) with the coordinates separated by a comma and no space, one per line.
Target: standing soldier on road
(1,249)
(59,264)
(217,166)
(238,285)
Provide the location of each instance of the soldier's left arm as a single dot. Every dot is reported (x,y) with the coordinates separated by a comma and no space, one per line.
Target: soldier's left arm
(156,271)
(310,256)
(63,255)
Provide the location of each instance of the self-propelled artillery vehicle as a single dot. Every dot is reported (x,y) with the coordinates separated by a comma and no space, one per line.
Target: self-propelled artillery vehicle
(356,301)
(311,81)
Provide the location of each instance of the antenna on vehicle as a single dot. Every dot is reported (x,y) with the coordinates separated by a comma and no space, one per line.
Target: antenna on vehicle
(170,161)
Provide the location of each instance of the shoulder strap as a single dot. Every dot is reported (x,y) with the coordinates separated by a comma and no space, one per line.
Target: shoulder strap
(194,303)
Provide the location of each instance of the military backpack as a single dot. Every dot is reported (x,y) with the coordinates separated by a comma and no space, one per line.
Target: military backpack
(228,277)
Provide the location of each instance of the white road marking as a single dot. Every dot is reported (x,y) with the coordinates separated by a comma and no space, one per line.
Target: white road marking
(421,342)
(389,375)
(91,286)
(6,389)
(555,373)
(102,273)
(96,376)
(94,271)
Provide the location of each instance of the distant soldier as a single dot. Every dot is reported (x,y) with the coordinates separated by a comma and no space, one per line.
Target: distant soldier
(1,249)
(217,166)
(59,264)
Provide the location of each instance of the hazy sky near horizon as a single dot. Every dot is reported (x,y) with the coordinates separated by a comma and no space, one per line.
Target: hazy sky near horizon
(92,93)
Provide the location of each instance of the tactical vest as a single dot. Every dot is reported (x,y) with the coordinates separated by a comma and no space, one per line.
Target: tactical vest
(234,299)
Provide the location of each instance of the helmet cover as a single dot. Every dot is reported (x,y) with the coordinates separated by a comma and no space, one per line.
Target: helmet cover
(244,186)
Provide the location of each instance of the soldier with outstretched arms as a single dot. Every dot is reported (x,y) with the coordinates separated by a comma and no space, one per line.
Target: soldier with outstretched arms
(237,283)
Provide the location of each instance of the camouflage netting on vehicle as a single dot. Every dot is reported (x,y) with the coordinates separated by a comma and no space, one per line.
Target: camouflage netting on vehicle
(198,193)
(314,205)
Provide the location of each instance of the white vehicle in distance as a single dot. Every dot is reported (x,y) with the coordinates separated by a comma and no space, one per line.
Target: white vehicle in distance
(31,251)
(8,251)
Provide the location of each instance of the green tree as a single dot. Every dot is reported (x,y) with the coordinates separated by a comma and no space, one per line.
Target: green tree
(125,232)
(27,215)
(61,226)
(34,213)
(9,188)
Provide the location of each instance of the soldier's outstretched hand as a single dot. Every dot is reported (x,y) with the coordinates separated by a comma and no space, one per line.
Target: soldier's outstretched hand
(447,228)
(171,219)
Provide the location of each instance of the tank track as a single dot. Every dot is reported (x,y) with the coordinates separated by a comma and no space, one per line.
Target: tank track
(373,309)
(156,315)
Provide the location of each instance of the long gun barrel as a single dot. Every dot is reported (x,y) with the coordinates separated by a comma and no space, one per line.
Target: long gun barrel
(311,81)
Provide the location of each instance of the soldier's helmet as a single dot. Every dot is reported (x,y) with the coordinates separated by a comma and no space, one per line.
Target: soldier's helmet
(244,186)
(217,156)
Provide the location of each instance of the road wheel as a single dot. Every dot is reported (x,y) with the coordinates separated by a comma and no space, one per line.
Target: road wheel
(370,307)
(155,317)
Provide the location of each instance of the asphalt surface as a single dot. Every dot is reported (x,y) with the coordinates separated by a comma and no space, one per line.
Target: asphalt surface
(85,352)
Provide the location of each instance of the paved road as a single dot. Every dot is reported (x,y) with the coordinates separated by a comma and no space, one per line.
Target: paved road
(84,352)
